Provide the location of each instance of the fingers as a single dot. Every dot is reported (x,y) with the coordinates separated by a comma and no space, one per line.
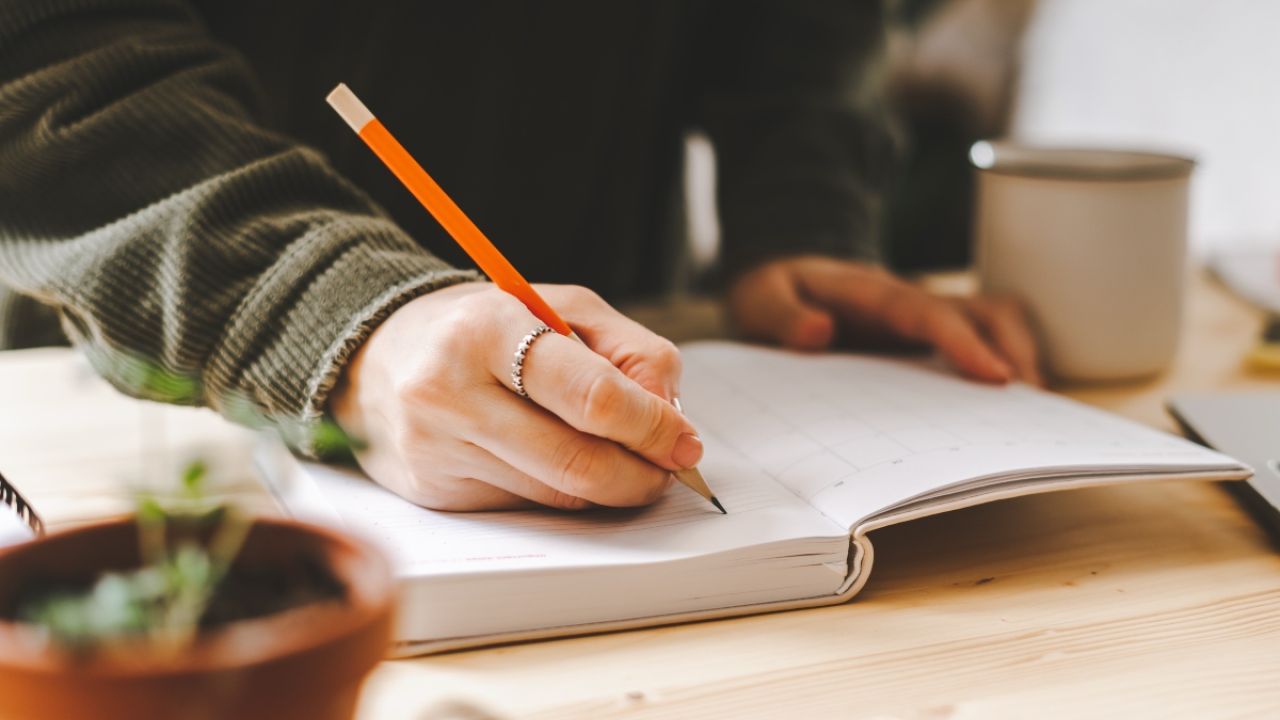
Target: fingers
(911,313)
(495,485)
(424,475)
(768,306)
(592,396)
(1006,324)
(466,495)
(431,387)
(573,463)
(954,335)
(647,358)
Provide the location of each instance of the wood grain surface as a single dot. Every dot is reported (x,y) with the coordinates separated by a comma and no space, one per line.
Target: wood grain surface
(1159,600)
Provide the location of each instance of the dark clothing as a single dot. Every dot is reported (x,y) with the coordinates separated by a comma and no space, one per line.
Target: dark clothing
(173,183)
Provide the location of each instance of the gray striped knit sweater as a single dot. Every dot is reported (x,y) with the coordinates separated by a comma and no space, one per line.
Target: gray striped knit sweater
(165,201)
(174,228)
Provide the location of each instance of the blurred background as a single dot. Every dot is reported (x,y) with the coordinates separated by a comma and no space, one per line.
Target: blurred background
(1192,77)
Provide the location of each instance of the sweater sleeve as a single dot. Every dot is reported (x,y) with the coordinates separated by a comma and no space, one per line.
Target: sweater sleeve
(791,99)
(140,198)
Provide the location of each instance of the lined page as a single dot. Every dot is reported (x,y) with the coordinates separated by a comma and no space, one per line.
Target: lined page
(680,525)
(857,434)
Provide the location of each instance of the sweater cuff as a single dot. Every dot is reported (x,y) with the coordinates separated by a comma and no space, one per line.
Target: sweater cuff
(335,357)
(349,287)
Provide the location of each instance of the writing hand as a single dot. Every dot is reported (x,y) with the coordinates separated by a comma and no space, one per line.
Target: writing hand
(430,391)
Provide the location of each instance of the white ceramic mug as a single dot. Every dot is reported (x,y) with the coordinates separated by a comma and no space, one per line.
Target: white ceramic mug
(1094,243)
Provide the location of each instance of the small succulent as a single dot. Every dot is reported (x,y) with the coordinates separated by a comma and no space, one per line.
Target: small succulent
(164,599)
(187,542)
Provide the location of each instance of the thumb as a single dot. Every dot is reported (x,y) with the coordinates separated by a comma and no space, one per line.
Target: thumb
(768,306)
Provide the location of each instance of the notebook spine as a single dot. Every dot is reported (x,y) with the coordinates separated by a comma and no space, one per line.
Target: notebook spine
(10,496)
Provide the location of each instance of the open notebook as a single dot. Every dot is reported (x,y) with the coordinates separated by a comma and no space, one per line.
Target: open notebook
(808,453)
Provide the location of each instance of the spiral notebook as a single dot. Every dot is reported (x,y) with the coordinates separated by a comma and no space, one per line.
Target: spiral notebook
(808,453)
(18,520)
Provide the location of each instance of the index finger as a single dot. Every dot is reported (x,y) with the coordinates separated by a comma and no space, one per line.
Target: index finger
(1009,329)
(641,354)
(914,314)
(591,395)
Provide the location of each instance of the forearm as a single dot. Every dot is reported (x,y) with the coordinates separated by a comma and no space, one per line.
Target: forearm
(141,198)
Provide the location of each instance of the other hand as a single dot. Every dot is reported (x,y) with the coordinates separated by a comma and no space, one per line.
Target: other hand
(805,302)
(430,391)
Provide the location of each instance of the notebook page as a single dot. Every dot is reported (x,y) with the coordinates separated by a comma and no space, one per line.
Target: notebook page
(680,525)
(856,434)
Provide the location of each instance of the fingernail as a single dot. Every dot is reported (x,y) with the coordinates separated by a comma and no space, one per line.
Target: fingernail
(688,451)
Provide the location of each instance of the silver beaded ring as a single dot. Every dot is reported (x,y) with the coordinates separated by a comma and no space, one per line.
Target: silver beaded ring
(517,367)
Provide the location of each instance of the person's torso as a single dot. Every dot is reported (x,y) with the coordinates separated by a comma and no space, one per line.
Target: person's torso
(555,125)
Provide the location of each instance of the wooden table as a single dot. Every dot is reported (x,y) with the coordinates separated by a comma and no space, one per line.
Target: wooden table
(1140,601)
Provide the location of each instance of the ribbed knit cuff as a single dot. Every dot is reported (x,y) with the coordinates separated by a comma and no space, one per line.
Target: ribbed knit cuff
(296,332)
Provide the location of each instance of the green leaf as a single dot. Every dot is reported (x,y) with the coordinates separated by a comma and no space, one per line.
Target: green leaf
(328,437)
(150,510)
(193,478)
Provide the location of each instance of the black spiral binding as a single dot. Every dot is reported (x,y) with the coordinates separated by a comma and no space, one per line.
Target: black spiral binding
(10,496)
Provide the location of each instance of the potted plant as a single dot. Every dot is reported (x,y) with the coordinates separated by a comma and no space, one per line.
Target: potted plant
(191,610)
(190,614)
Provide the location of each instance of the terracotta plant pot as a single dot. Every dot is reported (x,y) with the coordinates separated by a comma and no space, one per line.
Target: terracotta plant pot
(307,662)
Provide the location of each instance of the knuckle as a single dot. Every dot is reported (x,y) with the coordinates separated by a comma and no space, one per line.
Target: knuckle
(464,308)
(944,324)
(660,418)
(432,383)
(454,331)
(449,493)
(581,295)
(577,463)
(666,357)
(564,501)
(899,308)
(424,378)
(602,400)
(478,300)
(426,490)
(448,502)
(508,307)
(484,315)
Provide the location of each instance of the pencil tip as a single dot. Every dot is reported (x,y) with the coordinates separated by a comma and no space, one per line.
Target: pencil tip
(719,507)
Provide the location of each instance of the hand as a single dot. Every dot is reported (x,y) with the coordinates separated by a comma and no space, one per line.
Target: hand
(430,391)
(803,302)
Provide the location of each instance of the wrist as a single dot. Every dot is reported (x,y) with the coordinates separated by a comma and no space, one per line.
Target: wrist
(367,375)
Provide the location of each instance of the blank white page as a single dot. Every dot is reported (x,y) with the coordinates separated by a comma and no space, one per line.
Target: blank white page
(680,525)
(857,434)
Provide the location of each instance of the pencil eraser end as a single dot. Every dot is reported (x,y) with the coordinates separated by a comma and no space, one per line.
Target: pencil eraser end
(349,107)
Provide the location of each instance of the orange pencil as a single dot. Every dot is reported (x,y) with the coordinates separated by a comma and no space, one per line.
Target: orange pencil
(461,229)
(441,206)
